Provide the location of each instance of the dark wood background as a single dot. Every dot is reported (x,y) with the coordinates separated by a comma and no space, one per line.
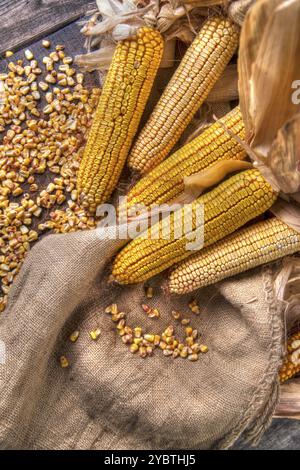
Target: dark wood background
(24,22)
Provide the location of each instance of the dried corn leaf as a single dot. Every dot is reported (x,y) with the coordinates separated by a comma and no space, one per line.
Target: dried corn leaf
(287,291)
(288,212)
(96,60)
(195,184)
(270,44)
(114,7)
(287,282)
(202,119)
(204,3)
(238,10)
(168,15)
(184,30)
(284,156)
(119,19)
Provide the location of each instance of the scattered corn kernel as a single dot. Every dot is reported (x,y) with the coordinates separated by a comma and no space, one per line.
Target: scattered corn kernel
(64,362)
(44,86)
(193,357)
(94,334)
(143,351)
(149,292)
(74,336)
(149,338)
(28,54)
(46,43)
(134,348)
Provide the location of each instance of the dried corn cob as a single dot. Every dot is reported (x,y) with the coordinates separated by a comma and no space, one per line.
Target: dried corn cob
(126,89)
(226,208)
(250,247)
(291,363)
(165,182)
(199,70)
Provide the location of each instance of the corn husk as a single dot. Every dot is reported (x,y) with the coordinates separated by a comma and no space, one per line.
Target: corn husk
(268,66)
(238,10)
(117,20)
(197,183)
(288,212)
(96,60)
(287,291)
(269,45)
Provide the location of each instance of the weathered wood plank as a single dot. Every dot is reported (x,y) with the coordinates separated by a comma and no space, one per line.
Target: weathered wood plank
(69,35)
(24,21)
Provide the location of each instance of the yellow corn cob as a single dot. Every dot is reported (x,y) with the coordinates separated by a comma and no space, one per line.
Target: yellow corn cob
(226,208)
(165,182)
(122,102)
(291,363)
(250,247)
(199,70)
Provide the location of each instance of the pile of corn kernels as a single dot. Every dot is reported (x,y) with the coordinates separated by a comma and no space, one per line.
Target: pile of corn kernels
(45,114)
(167,341)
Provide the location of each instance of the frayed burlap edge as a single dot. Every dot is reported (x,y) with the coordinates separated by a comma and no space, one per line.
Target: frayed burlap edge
(264,401)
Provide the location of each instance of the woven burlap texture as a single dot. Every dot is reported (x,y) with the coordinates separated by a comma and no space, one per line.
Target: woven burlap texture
(111,399)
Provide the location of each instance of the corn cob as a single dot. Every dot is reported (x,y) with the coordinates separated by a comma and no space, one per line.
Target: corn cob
(250,247)
(291,363)
(199,70)
(122,102)
(165,182)
(226,208)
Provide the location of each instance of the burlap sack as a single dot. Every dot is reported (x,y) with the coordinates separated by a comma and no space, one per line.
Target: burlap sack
(111,399)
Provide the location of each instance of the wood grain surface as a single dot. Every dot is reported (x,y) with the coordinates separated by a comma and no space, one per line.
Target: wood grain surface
(24,21)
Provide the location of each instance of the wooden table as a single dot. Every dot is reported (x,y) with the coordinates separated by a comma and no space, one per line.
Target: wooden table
(26,21)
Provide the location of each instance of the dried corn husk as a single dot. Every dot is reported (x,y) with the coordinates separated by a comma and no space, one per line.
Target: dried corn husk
(270,43)
(238,10)
(117,20)
(284,156)
(195,184)
(288,212)
(287,289)
(96,60)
